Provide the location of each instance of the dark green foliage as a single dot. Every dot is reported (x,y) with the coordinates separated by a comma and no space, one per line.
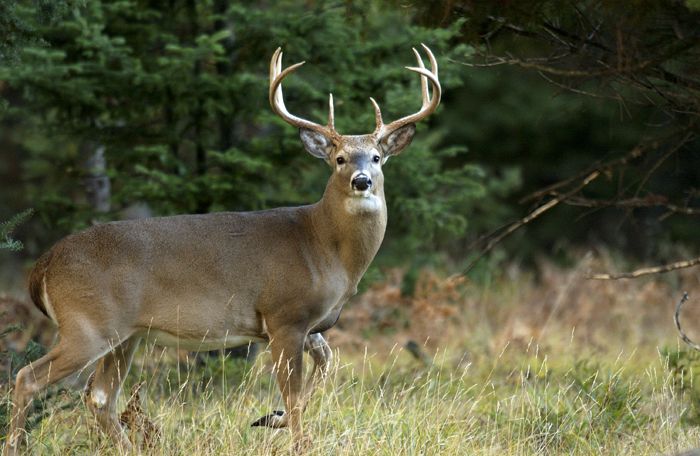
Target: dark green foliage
(577,84)
(17,25)
(7,228)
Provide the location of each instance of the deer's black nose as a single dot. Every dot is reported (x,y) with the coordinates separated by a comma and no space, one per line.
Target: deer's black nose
(361,182)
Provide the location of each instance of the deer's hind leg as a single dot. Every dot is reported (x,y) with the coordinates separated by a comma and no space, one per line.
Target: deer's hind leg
(77,348)
(104,386)
(316,346)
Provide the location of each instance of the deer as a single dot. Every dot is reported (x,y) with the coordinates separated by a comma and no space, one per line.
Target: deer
(219,280)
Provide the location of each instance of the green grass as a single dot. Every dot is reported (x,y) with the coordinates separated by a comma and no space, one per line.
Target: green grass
(514,403)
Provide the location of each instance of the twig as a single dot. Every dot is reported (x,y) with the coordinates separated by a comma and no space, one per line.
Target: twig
(532,216)
(616,97)
(677,319)
(636,152)
(604,167)
(686,138)
(623,68)
(648,201)
(533,64)
(647,271)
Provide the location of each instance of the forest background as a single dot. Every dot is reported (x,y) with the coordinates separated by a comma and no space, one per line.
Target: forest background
(109,108)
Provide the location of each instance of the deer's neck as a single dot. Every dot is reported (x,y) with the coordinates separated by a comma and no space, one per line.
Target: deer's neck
(350,230)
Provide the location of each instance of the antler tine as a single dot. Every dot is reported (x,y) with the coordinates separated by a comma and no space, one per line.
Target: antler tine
(377,115)
(273,62)
(331,112)
(429,103)
(279,75)
(423,80)
(276,99)
(431,57)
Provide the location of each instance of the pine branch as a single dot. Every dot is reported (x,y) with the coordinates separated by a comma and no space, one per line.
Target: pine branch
(7,228)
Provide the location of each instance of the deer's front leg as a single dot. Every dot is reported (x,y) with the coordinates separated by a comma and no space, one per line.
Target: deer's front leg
(287,347)
(316,346)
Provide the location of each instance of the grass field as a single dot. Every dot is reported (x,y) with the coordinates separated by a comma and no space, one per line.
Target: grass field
(547,363)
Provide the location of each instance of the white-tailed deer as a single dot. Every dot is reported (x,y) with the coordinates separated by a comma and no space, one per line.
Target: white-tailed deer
(224,279)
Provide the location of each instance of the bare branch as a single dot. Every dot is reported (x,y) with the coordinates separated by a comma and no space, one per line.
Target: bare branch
(677,319)
(616,97)
(596,48)
(648,201)
(510,229)
(688,136)
(534,64)
(647,271)
(636,152)
(585,41)
(605,167)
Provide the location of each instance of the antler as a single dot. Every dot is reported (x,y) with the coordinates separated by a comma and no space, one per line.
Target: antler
(277,100)
(430,104)
(381,130)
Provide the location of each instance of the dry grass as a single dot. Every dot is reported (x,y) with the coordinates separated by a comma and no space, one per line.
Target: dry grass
(531,363)
(551,308)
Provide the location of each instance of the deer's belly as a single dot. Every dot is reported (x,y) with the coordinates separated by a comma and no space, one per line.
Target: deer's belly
(204,343)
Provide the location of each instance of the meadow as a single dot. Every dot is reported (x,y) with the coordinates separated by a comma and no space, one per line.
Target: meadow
(545,362)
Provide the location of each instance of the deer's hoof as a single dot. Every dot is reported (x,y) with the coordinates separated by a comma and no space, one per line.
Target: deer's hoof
(276,419)
(302,444)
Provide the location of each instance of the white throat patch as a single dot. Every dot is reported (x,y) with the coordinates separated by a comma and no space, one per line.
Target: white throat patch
(362,202)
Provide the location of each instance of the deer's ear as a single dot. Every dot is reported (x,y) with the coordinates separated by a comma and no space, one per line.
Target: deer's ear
(397,140)
(316,144)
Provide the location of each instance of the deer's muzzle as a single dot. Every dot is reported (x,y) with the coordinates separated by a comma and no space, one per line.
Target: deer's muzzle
(361,182)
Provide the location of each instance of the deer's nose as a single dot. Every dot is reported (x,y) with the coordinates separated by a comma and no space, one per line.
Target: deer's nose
(361,182)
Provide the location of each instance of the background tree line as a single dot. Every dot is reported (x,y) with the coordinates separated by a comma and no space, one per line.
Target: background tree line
(111,106)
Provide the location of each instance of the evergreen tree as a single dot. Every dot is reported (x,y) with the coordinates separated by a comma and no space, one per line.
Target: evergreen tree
(176,94)
(15,33)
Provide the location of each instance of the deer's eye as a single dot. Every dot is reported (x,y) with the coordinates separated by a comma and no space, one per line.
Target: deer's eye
(340,160)
(376,159)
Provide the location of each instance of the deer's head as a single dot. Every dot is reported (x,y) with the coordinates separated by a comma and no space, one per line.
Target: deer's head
(356,160)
